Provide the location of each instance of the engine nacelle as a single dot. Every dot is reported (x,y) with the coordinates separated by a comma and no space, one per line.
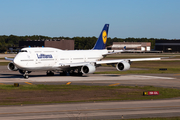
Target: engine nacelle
(12,67)
(88,69)
(122,66)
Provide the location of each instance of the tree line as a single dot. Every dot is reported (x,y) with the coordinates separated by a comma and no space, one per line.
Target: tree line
(80,42)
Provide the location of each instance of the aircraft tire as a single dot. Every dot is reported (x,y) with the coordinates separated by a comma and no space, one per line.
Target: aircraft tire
(64,73)
(80,74)
(50,73)
(26,76)
(76,74)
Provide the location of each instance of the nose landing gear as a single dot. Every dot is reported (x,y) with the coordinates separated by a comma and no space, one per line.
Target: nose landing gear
(25,75)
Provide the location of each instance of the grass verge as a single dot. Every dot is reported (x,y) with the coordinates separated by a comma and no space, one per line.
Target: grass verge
(4,63)
(43,94)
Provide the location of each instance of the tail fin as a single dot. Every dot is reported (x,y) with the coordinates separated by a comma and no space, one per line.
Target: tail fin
(101,42)
(124,48)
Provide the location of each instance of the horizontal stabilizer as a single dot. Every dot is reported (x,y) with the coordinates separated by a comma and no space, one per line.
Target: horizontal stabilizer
(10,59)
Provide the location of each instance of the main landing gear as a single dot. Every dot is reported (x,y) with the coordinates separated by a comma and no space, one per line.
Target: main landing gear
(63,73)
(71,73)
(50,73)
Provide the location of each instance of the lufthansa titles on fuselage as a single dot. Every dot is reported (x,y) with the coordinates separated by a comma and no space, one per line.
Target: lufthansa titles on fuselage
(41,56)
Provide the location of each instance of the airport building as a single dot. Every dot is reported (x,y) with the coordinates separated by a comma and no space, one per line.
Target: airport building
(142,46)
(55,43)
(167,45)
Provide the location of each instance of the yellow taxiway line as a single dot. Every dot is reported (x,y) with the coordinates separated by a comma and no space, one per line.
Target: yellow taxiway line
(114,84)
(68,83)
(28,83)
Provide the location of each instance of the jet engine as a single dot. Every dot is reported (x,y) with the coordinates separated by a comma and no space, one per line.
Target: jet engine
(12,67)
(88,69)
(122,66)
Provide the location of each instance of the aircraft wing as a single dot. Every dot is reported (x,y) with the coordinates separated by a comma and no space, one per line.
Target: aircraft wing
(120,60)
(110,61)
(10,59)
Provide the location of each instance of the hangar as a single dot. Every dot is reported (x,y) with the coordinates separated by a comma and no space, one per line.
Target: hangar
(167,45)
(55,43)
(143,46)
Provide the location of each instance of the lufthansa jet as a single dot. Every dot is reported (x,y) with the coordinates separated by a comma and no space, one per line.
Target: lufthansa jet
(72,62)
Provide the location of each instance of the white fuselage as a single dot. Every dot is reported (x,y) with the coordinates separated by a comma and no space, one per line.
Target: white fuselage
(33,59)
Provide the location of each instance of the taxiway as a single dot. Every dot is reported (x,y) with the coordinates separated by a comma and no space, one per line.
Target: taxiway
(100,110)
(159,80)
(93,110)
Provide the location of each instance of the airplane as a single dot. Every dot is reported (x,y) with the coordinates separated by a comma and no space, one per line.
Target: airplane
(72,62)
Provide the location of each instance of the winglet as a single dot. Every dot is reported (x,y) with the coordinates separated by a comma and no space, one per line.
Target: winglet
(101,42)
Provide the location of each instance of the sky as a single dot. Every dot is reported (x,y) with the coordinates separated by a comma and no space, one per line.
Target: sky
(86,18)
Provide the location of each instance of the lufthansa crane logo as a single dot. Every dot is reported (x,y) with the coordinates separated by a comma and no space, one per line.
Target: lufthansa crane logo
(104,36)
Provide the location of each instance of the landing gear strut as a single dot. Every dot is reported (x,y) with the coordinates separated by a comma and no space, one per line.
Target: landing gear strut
(25,75)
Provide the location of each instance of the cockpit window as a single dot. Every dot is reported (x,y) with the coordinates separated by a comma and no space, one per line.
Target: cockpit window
(23,51)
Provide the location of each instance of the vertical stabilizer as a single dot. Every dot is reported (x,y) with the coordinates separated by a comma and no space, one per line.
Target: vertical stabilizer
(101,42)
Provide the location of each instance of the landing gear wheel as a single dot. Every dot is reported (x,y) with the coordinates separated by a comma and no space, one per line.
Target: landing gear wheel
(76,74)
(64,73)
(80,74)
(50,73)
(26,76)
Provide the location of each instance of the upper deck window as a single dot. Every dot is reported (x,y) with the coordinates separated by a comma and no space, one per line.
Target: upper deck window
(23,51)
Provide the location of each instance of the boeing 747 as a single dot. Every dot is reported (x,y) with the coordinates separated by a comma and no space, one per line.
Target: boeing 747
(73,62)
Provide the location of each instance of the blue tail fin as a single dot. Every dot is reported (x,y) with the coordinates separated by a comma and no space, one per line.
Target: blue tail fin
(101,42)
(124,48)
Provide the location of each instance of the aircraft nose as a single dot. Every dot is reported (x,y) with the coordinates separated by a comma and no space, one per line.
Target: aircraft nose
(16,61)
(21,60)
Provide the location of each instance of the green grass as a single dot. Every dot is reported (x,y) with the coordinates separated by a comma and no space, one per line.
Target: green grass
(4,63)
(107,93)
(4,58)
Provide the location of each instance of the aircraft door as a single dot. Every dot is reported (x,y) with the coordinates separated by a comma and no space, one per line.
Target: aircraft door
(35,56)
(31,59)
